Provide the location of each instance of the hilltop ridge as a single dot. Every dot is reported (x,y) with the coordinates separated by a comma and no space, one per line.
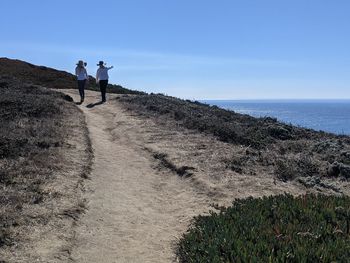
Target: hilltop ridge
(50,77)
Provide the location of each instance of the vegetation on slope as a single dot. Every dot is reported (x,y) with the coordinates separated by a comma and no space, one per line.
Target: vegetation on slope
(35,126)
(51,78)
(288,151)
(228,126)
(272,229)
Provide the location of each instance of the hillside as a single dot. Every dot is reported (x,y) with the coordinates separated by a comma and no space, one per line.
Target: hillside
(258,144)
(152,164)
(45,154)
(49,77)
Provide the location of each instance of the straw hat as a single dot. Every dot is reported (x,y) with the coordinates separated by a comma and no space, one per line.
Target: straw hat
(101,63)
(80,63)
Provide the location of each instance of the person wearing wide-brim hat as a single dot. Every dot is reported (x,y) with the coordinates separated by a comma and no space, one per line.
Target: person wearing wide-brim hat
(102,78)
(81,73)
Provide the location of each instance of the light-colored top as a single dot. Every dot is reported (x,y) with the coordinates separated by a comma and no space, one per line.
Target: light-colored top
(81,73)
(102,73)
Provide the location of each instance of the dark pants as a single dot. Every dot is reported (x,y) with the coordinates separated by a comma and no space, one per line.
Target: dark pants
(81,87)
(103,87)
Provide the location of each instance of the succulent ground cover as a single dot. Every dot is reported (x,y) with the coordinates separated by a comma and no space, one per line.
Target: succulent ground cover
(308,228)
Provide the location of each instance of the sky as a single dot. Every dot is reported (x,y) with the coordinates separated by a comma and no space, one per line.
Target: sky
(194,49)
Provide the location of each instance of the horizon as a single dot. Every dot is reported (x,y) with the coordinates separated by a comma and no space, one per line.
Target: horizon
(232,50)
(282,99)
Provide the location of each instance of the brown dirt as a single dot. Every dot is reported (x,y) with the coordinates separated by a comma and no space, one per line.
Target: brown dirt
(148,181)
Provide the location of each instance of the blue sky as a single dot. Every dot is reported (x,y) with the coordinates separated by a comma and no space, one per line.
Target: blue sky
(224,49)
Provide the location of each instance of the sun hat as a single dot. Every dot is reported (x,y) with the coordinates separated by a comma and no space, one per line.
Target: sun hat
(80,63)
(101,63)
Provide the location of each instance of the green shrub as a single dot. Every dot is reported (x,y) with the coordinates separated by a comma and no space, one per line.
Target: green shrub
(301,166)
(280,228)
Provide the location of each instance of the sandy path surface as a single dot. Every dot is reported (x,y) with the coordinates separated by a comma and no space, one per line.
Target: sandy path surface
(136,209)
(134,212)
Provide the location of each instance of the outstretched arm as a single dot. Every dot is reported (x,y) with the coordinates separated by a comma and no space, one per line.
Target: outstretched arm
(110,67)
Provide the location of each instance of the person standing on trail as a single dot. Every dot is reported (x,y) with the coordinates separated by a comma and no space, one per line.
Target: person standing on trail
(102,78)
(81,73)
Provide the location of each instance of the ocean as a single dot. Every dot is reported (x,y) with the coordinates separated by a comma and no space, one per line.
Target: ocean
(326,115)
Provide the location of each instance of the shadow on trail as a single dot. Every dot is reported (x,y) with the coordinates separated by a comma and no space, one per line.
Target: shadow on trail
(91,105)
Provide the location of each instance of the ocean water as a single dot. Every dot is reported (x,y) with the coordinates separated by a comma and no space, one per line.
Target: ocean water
(326,115)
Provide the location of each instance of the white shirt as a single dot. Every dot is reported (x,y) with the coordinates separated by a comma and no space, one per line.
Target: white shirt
(81,73)
(102,73)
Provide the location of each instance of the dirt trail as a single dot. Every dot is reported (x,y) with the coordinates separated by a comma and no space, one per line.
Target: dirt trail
(136,212)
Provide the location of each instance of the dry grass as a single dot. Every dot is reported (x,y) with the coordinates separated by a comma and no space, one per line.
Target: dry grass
(287,151)
(34,138)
